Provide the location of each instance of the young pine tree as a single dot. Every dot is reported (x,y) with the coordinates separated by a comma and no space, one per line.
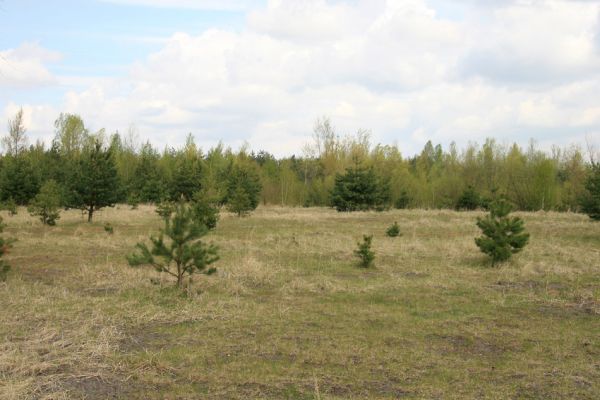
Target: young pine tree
(243,190)
(364,252)
(503,235)
(393,230)
(46,203)
(469,200)
(178,250)
(205,210)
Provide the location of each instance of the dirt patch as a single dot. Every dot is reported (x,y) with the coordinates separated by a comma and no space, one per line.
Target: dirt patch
(465,345)
(97,387)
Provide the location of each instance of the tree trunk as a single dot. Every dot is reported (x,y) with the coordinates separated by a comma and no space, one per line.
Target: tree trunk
(90,213)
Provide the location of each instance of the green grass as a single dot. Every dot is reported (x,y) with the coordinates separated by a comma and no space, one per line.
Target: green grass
(290,315)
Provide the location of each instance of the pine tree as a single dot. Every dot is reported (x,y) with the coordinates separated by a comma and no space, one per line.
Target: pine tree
(18,180)
(364,252)
(469,200)
(590,203)
(243,190)
(360,189)
(96,182)
(46,203)
(182,253)
(503,235)
(205,210)
(393,230)
(5,245)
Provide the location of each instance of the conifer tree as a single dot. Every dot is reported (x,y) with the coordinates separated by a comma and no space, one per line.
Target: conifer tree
(18,180)
(205,210)
(96,182)
(360,189)
(364,252)
(393,230)
(46,203)
(243,190)
(178,250)
(503,235)
(590,203)
(469,200)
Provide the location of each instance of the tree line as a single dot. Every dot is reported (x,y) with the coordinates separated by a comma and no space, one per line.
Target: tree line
(92,170)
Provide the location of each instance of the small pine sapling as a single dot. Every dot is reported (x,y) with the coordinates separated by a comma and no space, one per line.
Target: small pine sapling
(178,250)
(46,203)
(108,228)
(393,230)
(503,235)
(364,252)
(5,245)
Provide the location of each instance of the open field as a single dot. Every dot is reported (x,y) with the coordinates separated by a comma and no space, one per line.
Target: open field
(290,316)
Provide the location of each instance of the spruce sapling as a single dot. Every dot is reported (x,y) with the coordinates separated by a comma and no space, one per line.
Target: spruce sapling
(393,230)
(364,251)
(503,235)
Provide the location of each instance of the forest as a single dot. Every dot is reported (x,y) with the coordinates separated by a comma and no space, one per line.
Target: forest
(436,178)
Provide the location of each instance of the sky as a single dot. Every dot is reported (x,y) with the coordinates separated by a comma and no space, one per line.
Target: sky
(262,72)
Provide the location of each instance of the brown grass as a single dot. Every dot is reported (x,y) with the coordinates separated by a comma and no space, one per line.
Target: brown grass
(289,315)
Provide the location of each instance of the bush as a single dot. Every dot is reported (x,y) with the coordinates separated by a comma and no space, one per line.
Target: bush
(5,245)
(133,201)
(165,209)
(503,236)
(403,201)
(183,253)
(46,203)
(11,206)
(360,189)
(364,252)
(393,230)
(108,228)
(469,200)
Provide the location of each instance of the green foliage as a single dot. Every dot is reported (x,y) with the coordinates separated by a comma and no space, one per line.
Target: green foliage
(393,230)
(10,206)
(18,180)
(165,209)
(5,245)
(503,235)
(364,252)
(402,201)
(108,228)
(469,200)
(243,190)
(46,203)
(133,201)
(360,189)
(178,250)
(96,181)
(205,211)
(590,202)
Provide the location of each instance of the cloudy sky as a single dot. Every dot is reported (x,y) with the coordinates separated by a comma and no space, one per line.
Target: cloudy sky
(262,71)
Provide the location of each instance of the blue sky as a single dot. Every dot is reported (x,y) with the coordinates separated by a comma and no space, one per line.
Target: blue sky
(263,71)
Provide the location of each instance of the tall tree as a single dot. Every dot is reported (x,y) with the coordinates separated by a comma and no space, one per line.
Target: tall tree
(16,140)
(96,183)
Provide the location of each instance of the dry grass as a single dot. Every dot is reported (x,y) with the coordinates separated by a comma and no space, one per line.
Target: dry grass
(289,315)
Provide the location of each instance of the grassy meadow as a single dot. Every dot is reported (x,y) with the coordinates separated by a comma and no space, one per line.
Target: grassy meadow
(289,315)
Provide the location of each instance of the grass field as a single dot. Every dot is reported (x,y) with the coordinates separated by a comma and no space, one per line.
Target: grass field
(289,315)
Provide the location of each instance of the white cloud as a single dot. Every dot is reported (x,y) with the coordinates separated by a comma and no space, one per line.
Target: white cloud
(520,69)
(229,5)
(25,66)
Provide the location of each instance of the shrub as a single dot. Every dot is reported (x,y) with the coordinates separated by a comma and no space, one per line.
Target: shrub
(182,253)
(11,206)
(393,230)
(108,228)
(133,201)
(46,203)
(469,200)
(364,252)
(165,209)
(503,236)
